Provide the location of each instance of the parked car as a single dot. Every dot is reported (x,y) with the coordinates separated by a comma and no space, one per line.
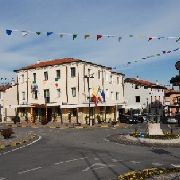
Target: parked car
(138,118)
(127,119)
(169,120)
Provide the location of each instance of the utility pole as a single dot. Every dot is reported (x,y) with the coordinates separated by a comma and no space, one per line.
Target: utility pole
(88,77)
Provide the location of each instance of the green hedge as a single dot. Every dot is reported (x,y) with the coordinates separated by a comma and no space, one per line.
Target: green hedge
(166,136)
(147,173)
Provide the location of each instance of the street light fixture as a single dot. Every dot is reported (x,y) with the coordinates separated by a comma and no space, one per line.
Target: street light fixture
(88,77)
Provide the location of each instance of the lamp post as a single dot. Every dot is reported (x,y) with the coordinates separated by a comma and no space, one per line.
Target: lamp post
(147,106)
(88,77)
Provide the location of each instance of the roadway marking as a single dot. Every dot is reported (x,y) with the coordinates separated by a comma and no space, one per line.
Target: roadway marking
(59,163)
(21,147)
(106,140)
(175,165)
(68,161)
(97,166)
(2,178)
(29,170)
(115,160)
(157,164)
(135,162)
(71,160)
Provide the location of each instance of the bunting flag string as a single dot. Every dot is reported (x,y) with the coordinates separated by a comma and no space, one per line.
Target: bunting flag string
(164,52)
(86,36)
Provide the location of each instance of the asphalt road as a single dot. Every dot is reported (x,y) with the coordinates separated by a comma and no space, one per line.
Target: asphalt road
(75,154)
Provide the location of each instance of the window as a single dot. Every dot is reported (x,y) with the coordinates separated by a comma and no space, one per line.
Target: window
(73,92)
(99,74)
(112,95)
(73,72)
(22,78)
(136,86)
(35,94)
(117,96)
(46,95)
(74,112)
(23,95)
(117,80)
(34,77)
(58,93)
(45,75)
(110,79)
(145,87)
(137,98)
(89,71)
(107,92)
(58,74)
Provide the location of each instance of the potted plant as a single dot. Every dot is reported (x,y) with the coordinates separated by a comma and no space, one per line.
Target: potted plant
(7,133)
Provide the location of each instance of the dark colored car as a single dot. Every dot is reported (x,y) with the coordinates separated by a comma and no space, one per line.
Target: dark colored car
(127,119)
(139,118)
(169,120)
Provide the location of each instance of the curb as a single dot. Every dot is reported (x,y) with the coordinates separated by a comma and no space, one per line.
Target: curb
(16,143)
(64,127)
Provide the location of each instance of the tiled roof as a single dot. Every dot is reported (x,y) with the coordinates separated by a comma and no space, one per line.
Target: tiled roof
(168,92)
(143,83)
(4,87)
(61,61)
(49,63)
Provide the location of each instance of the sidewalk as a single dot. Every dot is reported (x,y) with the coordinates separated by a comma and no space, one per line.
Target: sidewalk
(67,125)
(17,139)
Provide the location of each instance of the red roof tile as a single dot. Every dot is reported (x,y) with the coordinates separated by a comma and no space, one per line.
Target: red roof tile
(49,63)
(143,83)
(4,87)
(61,61)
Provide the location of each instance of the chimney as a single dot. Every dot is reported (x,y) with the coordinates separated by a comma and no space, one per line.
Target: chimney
(38,61)
(157,83)
(137,77)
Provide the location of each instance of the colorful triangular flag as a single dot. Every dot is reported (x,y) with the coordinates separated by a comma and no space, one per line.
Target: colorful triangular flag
(74,36)
(86,36)
(49,33)
(98,36)
(178,39)
(61,35)
(8,31)
(38,33)
(119,38)
(24,33)
(150,38)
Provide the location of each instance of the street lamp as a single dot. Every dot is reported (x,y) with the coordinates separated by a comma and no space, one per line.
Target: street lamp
(147,106)
(88,77)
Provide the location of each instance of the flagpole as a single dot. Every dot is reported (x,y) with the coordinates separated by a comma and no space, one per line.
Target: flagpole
(89,107)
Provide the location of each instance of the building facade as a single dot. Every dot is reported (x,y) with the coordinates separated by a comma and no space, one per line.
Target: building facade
(143,96)
(8,102)
(59,90)
(172,102)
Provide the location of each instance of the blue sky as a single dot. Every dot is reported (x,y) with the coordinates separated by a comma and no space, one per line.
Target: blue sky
(118,17)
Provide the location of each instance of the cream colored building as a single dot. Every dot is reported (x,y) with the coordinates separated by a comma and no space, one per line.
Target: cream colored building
(57,90)
(144,96)
(8,102)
